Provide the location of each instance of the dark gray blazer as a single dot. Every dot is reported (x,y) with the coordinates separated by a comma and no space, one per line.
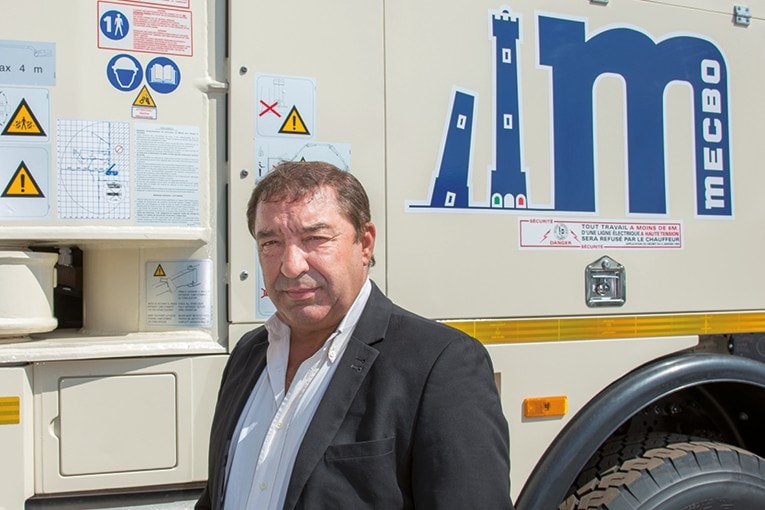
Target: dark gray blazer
(411,419)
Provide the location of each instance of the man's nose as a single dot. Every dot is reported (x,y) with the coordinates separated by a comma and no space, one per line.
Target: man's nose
(294,261)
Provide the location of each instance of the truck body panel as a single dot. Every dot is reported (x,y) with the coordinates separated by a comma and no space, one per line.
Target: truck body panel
(576,184)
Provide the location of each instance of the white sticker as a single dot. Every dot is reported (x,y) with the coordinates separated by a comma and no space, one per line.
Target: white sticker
(285,106)
(167,175)
(28,62)
(93,161)
(179,293)
(147,29)
(541,233)
(271,152)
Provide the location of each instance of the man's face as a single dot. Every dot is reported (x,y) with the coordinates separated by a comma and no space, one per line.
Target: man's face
(312,265)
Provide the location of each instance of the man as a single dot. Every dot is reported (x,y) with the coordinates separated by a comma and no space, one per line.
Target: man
(344,400)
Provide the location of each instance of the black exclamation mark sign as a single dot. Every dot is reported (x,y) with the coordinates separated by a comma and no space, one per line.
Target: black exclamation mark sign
(23,178)
(294,123)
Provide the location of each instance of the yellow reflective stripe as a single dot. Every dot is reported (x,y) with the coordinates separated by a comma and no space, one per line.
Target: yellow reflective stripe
(10,410)
(610,326)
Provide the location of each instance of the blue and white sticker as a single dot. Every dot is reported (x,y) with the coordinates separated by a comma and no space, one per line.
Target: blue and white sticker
(114,25)
(576,59)
(163,75)
(124,72)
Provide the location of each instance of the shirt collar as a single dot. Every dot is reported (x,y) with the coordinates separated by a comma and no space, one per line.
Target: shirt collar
(279,332)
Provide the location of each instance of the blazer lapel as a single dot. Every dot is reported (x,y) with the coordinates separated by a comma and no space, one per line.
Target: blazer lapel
(356,362)
(251,368)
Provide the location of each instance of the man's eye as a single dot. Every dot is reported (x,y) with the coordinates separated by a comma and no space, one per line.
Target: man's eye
(314,240)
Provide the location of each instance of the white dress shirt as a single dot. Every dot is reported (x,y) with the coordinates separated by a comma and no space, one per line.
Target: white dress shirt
(272,424)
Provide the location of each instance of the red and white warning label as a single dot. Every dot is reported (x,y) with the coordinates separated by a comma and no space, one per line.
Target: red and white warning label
(147,29)
(597,234)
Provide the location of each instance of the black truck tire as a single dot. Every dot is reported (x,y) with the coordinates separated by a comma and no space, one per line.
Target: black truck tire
(679,476)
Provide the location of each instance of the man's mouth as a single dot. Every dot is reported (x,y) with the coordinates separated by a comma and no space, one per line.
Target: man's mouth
(300,294)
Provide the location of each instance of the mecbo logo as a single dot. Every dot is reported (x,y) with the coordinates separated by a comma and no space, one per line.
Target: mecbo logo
(576,60)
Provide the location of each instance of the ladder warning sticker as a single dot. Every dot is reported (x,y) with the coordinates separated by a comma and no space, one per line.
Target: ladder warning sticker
(181,296)
(294,124)
(286,106)
(22,184)
(23,122)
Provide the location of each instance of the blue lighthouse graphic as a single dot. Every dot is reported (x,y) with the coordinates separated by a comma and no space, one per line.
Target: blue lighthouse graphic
(451,185)
(575,62)
(508,181)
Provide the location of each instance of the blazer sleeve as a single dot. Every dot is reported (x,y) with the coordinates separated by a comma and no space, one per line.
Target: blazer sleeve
(460,453)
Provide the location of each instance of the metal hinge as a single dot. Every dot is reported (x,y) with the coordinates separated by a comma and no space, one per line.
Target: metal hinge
(742,15)
(603,2)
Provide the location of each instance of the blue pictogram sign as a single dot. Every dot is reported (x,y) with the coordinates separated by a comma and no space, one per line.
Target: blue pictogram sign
(124,72)
(163,75)
(114,25)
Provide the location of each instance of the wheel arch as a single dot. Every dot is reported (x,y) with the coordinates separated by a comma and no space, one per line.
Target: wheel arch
(620,402)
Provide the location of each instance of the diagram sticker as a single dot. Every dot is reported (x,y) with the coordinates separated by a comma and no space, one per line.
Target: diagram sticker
(93,159)
(28,63)
(24,182)
(179,293)
(285,106)
(270,152)
(146,29)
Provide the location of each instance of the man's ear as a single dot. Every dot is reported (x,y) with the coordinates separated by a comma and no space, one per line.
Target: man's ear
(368,243)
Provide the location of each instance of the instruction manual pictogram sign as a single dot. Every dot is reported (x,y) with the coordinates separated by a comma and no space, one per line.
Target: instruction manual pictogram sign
(23,122)
(294,124)
(22,184)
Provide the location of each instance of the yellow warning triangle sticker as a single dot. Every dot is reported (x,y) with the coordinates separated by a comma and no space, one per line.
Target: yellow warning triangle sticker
(294,124)
(144,98)
(159,271)
(22,184)
(23,122)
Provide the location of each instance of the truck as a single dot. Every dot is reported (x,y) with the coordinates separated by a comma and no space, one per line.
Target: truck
(575,183)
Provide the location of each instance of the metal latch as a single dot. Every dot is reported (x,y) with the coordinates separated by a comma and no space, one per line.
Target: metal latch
(742,15)
(605,283)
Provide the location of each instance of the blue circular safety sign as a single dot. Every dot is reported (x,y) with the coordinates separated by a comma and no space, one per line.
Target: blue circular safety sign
(124,72)
(163,75)
(114,25)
